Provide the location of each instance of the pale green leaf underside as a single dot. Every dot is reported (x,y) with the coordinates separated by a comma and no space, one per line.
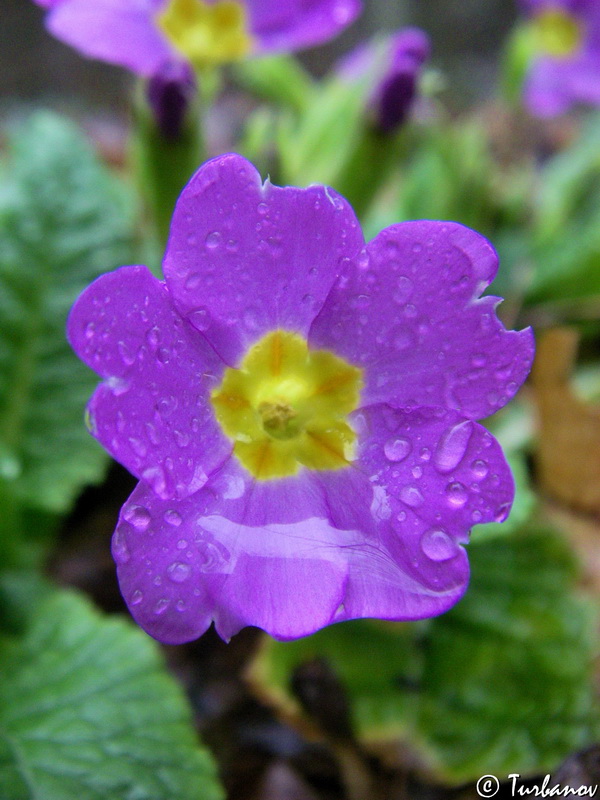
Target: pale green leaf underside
(88,712)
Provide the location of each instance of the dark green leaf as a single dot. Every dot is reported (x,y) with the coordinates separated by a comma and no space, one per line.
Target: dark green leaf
(501,683)
(87,711)
(63,220)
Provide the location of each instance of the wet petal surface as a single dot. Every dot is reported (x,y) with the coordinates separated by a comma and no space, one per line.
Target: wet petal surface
(152,412)
(245,258)
(237,552)
(408,312)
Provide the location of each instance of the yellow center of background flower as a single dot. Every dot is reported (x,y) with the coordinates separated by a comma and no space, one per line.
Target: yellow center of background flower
(286,407)
(206,34)
(558,33)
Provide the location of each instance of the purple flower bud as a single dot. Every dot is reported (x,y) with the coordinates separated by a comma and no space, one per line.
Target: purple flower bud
(394,70)
(169,93)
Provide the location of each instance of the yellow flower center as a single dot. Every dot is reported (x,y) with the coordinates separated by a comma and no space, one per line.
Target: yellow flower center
(286,407)
(206,34)
(557,33)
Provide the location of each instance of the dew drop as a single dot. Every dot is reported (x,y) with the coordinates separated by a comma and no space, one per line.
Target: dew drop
(90,330)
(396,449)
(438,546)
(411,496)
(179,572)
(172,517)
(182,438)
(136,598)
(417,472)
(182,544)
(401,516)
(127,357)
(180,605)
(213,240)
(200,319)
(478,360)
(161,606)
(153,336)
(456,494)
(452,446)
(138,516)
(138,446)
(120,550)
(479,468)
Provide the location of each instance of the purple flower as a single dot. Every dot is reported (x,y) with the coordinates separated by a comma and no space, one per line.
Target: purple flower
(300,410)
(566,66)
(394,68)
(144,35)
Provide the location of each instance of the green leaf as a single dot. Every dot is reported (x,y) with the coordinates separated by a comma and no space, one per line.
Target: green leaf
(501,683)
(87,711)
(64,219)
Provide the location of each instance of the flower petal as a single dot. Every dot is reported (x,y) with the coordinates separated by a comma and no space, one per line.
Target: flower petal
(238,552)
(117,31)
(298,23)
(409,313)
(245,258)
(422,480)
(152,412)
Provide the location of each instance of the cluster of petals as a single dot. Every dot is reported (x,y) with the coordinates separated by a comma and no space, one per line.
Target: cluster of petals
(558,80)
(393,68)
(127,32)
(201,539)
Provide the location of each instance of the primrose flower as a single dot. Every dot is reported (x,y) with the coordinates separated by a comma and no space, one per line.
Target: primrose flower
(566,66)
(300,410)
(394,68)
(145,35)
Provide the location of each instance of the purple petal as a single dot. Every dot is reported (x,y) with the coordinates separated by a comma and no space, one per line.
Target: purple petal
(245,258)
(553,86)
(409,313)
(381,539)
(422,480)
(296,24)
(117,31)
(152,411)
(238,552)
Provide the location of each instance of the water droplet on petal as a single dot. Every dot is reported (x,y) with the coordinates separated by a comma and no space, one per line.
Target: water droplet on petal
(182,544)
(479,468)
(452,446)
(411,496)
(90,329)
(161,606)
(502,512)
(153,336)
(456,494)
(136,598)
(138,446)
(127,356)
(120,550)
(200,319)
(179,572)
(138,516)
(213,240)
(172,517)
(396,449)
(438,546)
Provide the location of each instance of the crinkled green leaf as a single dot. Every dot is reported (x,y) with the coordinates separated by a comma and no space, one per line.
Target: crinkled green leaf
(501,683)
(64,219)
(87,711)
